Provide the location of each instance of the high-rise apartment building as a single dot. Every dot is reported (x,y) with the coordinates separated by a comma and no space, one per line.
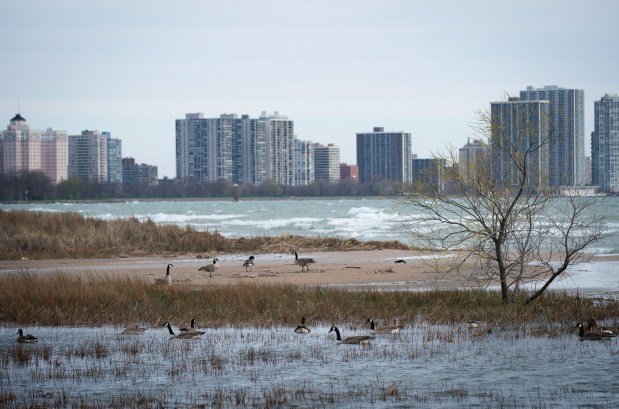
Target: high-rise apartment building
(429,172)
(588,167)
(24,149)
(280,150)
(474,160)
(384,156)
(519,134)
(566,148)
(88,156)
(138,174)
(240,150)
(326,163)
(114,159)
(304,163)
(605,144)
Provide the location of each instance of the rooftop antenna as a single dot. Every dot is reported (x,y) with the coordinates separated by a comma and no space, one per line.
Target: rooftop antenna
(18,105)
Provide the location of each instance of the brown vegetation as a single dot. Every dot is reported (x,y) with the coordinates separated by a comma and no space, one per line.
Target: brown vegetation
(41,235)
(63,299)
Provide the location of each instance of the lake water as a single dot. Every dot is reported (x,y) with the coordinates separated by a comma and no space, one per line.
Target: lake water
(363,219)
(424,366)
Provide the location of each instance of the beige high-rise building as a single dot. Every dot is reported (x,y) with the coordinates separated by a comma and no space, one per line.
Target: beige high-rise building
(326,163)
(88,156)
(24,149)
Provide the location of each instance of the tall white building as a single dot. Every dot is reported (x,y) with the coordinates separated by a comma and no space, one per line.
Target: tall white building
(280,148)
(566,150)
(114,159)
(474,160)
(24,149)
(327,163)
(605,144)
(233,149)
(304,163)
(88,156)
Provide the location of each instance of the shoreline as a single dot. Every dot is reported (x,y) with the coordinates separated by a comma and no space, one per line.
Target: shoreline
(363,268)
(331,268)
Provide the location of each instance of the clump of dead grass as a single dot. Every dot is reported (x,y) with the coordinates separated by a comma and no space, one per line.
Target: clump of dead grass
(43,235)
(63,299)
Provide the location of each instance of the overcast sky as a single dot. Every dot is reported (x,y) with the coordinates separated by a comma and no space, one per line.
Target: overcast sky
(334,67)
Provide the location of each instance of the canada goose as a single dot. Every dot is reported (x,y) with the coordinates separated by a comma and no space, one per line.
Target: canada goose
(210,267)
(25,339)
(249,263)
(134,330)
(358,339)
(303,262)
(182,335)
(388,329)
(591,336)
(191,328)
(168,278)
(302,328)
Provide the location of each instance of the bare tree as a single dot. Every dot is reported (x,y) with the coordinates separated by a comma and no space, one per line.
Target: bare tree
(497,217)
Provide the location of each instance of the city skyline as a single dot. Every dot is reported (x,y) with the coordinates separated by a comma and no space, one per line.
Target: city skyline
(335,69)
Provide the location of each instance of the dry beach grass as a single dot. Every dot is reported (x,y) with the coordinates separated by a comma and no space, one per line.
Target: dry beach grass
(42,235)
(64,280)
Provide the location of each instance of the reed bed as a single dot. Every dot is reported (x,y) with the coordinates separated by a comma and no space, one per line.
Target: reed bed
(43,235)
(60,299)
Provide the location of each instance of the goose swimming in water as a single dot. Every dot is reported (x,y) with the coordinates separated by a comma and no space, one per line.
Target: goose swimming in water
(168,278)
(182,335)
(303,262)
(388,329)
(249,263)
(591,336)
(355,340)
(25,339)
(302,328)
(210,267)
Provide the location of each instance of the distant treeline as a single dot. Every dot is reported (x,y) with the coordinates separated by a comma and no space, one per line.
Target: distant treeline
(33,186)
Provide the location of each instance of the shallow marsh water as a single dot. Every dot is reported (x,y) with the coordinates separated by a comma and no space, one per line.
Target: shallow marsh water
(424,366)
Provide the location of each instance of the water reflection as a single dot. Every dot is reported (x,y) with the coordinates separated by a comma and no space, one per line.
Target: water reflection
(424,366)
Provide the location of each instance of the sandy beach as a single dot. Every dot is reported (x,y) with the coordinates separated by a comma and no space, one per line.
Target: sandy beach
(375,268)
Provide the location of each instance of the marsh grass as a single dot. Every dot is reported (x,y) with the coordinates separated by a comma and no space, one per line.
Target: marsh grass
(60,299)
(43,235)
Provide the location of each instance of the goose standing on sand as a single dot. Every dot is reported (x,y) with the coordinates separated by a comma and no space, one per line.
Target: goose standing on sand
(168,278)
(133,330)
(249,263)
(591,336)
(302,328)
(388,329)
(25,339)
(210,267)
(303,262)
(354,340)
(182,335)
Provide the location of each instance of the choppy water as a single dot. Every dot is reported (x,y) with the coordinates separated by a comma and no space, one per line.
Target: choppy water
(424,366)
(362,219)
